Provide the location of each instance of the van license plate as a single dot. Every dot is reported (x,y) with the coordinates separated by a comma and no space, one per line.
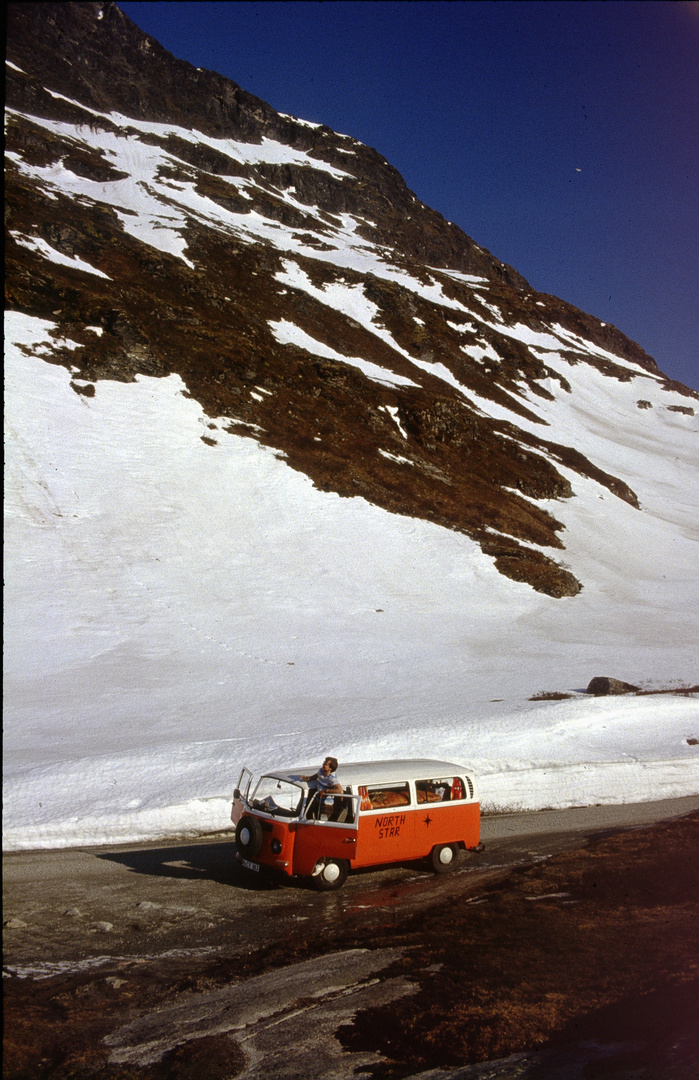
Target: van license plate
(251,865)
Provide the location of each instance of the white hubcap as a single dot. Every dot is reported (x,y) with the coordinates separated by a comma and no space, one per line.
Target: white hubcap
(445,856)
(245,836)
(331,872)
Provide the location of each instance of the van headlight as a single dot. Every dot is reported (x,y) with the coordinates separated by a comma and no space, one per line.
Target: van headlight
(276,846)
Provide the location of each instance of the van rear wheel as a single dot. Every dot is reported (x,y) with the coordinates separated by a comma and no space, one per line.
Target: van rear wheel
(329,874)
(444,858)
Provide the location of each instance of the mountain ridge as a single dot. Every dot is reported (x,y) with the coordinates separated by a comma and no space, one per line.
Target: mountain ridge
(214,103)
(273,265)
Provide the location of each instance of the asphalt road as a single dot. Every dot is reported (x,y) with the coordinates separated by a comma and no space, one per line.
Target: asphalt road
(65,909)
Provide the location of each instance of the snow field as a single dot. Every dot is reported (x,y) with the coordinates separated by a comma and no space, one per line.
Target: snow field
(175,610)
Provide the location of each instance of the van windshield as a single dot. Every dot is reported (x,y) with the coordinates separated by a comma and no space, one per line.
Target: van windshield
(278,797)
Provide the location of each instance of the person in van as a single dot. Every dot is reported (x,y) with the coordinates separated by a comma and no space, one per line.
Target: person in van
(325,783)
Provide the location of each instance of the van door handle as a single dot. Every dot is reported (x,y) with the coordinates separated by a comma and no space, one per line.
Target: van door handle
(350,840)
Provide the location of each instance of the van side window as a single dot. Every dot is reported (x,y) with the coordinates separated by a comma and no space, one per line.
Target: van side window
(335,808)
(444,789)
(388,795)
(343,808)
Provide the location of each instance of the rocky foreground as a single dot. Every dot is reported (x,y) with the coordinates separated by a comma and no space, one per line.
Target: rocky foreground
(582,964)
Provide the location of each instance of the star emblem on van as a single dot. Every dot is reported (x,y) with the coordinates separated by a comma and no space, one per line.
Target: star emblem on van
(428,821)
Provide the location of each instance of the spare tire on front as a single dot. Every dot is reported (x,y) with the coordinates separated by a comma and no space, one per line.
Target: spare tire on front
(248,836)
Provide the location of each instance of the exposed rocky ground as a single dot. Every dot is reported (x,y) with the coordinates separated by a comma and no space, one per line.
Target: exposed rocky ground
(594,943)
(578,964)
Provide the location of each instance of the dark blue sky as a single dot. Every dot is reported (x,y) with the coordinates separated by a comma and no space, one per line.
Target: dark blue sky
(563,137)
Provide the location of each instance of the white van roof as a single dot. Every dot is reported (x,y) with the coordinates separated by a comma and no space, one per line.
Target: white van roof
(383,772)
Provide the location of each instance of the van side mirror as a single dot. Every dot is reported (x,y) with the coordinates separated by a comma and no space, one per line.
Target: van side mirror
(236,793)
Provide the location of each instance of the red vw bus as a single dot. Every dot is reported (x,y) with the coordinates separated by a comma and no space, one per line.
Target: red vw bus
(389,811)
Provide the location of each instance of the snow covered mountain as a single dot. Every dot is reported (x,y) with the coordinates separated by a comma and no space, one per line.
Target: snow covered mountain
(222,319)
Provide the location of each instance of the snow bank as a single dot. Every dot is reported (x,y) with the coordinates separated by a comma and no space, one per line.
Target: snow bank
(574,753)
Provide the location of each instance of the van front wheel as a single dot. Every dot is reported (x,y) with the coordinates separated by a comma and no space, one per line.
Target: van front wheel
(329,874)
(444,858)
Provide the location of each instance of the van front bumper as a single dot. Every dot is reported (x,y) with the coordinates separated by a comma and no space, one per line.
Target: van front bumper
(280,865)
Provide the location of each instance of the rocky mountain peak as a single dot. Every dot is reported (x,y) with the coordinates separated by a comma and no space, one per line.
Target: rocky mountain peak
(169,222)
(94,54)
